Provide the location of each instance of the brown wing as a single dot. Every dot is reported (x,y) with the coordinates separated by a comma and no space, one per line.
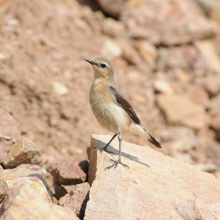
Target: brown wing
(125,105)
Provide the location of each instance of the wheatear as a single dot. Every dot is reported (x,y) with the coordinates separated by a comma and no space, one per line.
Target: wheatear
(110,107)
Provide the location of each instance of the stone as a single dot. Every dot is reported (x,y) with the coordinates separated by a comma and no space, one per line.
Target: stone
(111,49)
(75,199)
(8,133)
(34,182)
(24,151)
(3,189)
(22,202)
(179,110)
(214,13)
(59,88)
(214,106)
(154,187)
(66,172)
(198,95)
(184,19)
(112,7)
(215,125)
(178,138)
(211,83)
(163,86)
(210,55)
(113,28)
(23,170)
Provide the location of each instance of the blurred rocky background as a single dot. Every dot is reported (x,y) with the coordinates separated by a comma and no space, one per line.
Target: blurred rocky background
(166,55)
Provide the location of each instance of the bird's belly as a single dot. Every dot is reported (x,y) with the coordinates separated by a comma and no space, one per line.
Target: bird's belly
(111,117)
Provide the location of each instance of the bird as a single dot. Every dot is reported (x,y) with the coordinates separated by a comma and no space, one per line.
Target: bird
(111,109)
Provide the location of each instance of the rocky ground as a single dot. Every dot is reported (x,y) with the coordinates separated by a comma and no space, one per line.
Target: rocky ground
(166,56)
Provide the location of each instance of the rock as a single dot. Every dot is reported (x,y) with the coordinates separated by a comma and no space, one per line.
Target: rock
(207,5)
(211,83)
(113,28)
(75,199)
(207,167)
(155,186)
(210,55)
(34,182)
(184,19)
(214,106)
(66,172)
(215,125)
(179,110)
(111,49)
(3,189)
(178,138)
(198,95)
(112,8)
(148,52)
(23,170)
(15,206)
(24,151)
(59,88)
(8,133)
(163,86)
(214,13)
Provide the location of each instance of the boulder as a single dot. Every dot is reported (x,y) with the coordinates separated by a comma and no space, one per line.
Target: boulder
(154,187)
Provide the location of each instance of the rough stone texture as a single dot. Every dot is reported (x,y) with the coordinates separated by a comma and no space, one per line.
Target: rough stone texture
(155,187)
(22,202)
(112,7)
(214,106)
(22,171)
(76,198)
(66,172)
(179,110)
(3,189)
(24,151)
(150,21)
(8,133)
(34,182)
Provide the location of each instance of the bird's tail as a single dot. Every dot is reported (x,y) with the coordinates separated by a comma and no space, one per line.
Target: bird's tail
(154,141)
(139,130)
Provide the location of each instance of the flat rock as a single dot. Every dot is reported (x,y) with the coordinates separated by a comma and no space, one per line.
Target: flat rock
(24,151)
(22,202)
(180,110)
(155,187)
(66,172)
(8,133)
(151,19)
(76,198)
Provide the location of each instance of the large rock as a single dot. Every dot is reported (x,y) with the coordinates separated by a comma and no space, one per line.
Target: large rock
(184,19)
(8,133)
(66,171)
(155,187)
(180,110)
(22,202)
(76,199)
(24,151)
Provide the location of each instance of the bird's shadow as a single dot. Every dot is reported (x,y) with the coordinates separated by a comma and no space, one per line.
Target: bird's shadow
(100,145)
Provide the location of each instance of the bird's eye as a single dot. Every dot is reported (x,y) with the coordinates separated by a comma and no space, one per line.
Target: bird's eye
(103,65)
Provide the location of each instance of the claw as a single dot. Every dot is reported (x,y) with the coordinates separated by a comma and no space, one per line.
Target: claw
(115,164)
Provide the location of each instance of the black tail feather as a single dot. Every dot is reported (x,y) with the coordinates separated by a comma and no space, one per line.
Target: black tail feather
(154,142)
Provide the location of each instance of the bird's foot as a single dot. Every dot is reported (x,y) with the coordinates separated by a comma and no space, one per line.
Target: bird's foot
(103,149)
(115,164)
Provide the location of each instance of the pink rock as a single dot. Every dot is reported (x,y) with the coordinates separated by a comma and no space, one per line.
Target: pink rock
(8,133)
(66,171)
(24,151)
(22,202)
(155,187)
(76,199)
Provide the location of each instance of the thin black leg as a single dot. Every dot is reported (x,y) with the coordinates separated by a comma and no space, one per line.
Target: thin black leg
(105,148)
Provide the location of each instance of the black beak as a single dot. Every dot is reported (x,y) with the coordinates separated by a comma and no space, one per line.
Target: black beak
(90,61)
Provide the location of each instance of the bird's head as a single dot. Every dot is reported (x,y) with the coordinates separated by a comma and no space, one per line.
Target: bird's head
(102,68)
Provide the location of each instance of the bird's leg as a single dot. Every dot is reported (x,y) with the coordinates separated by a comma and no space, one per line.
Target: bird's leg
(105,148)
(116,162)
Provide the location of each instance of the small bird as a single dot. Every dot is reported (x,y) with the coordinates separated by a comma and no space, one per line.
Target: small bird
(111,109)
